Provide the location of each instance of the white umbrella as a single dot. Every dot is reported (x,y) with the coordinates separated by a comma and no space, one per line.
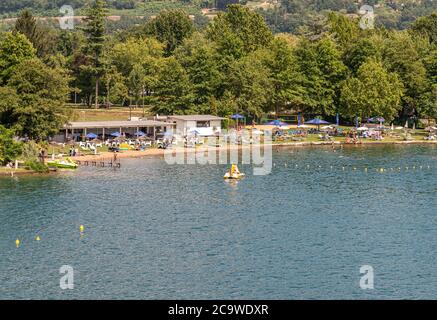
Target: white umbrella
(259,132)
(392,127)
(327,127)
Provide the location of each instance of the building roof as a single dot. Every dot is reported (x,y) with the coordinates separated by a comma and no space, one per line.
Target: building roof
(196,117)
(116,124)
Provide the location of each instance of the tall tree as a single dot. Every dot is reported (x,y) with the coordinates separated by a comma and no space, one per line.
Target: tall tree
(427,26)
(95,33)
(14,49)
(323,70)
(198,56)
(249,83)
(400,55)
(373,92)
(170,27)
(9,148)
(239,31)
(40,36)
(173,92)
(42,93)
(287,81)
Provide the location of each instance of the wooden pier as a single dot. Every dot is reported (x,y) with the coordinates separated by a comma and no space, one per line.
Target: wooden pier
(101,164)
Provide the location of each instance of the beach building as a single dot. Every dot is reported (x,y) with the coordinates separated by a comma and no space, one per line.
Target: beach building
(103,129)
(201,125)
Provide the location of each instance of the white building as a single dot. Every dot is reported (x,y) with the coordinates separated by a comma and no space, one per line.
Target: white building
(201,125)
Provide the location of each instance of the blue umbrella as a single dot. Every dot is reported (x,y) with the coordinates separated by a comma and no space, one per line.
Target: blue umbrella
(91,135)
(317,122)
(299,120)
(140,134)
(115,134)
(376,119)
(276,123)
(237,116)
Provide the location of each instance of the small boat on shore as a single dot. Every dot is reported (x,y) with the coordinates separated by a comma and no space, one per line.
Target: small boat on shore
(63,164)
(234,173)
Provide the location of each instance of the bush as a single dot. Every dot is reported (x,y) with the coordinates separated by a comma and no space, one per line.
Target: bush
(36,166)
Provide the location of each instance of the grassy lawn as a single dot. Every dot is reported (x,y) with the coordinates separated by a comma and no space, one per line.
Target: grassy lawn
(112,114)
(59,149)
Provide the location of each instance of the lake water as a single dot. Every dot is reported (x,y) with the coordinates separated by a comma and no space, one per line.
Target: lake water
(157,231)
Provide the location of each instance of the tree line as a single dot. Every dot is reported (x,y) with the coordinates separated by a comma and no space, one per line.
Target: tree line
(236,64)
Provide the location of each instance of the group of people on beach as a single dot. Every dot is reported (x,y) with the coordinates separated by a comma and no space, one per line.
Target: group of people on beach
(73,152)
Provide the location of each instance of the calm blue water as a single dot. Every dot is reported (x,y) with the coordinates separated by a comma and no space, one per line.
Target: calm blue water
(155,231)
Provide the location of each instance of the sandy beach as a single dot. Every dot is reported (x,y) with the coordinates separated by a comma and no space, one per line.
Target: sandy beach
(108,156)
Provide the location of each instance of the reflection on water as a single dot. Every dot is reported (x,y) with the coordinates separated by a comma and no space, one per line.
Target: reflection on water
(180,232)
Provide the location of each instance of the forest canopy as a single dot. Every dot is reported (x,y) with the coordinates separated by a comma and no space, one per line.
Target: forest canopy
(234,64)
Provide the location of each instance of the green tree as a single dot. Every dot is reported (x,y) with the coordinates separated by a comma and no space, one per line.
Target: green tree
(136,82)
(400,55)
(170,27)
(173,92)
(373,92)
(239,31)
(14,49)
(9,148)
(41,37)
(116,90)
(9,101)
(95,33)
(287,82)
(426,26)
(198,56)
(249,83)
(42,93)
(320,63)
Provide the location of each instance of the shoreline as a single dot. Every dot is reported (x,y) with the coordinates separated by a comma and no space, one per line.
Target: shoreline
(133,154)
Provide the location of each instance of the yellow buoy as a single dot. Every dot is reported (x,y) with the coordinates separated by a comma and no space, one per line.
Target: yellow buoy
(82,228)
(38,238)
(17,243)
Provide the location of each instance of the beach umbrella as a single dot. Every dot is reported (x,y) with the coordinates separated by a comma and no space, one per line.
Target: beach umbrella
(362,129)
(299,120)
(317,121)
(392,126)
(91,135)
(116,134)
(237,116)
(276,123)
(376,119)
(257,132)
(140,134)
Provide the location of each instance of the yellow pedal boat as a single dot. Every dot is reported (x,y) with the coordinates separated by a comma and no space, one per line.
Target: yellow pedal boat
(234,174)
